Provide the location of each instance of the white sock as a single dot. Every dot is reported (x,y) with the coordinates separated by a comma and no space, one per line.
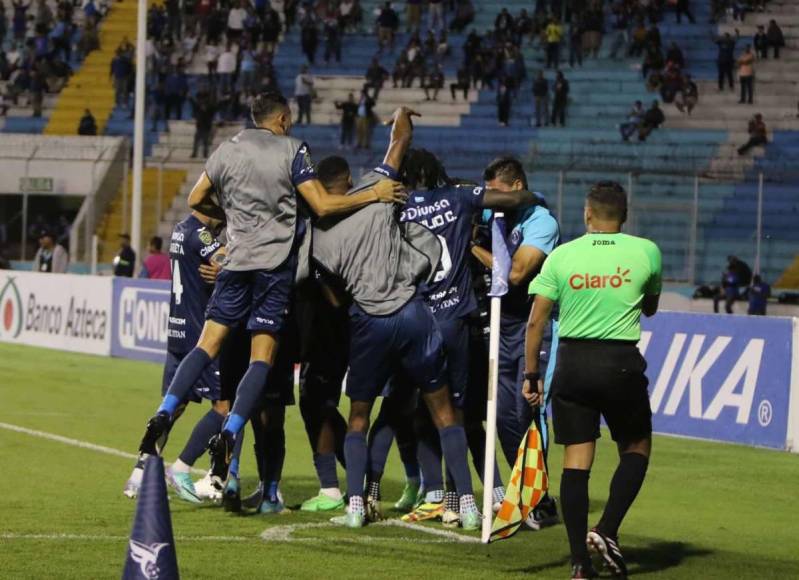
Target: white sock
(333,493)
(499,494)
(180,467)
(136,475)
(468,504)
(436,496)
(356,505)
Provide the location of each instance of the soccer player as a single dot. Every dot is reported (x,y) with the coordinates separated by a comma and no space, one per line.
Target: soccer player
(256,177)
(602,281)
(381,265)
(534,233)
(447,209)
(194,252)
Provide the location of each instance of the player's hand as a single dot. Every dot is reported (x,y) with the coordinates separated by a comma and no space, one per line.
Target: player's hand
(402,111)
(388,191)
(209,272)
(533,396)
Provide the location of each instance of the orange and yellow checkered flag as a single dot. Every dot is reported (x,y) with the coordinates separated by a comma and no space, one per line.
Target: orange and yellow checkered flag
(528,484)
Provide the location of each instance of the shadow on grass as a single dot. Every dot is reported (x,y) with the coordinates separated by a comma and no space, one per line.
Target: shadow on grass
(659,556)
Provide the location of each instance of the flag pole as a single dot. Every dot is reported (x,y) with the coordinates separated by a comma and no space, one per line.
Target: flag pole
(497,275)
(491,420)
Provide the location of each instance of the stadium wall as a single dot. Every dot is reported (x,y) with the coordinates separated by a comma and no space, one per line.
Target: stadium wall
(725,378)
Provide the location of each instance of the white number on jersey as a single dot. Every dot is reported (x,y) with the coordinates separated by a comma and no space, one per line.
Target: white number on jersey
(177,287)
(446,261)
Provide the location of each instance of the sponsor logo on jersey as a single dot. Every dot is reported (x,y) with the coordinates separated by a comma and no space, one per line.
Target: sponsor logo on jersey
(206,237)
(588,281)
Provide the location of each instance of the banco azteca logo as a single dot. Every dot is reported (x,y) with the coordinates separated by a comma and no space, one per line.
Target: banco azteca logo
(588,281)
(10,309)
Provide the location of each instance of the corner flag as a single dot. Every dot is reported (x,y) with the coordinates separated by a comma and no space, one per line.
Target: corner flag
(151,549)
(528,484)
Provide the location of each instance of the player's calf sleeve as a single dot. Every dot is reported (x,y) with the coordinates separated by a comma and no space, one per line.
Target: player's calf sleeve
(249,390)
(325,465)
(356,452)
(274,446)
(453,444)
(209,425)
(189,370)
(624,488)
(574,504)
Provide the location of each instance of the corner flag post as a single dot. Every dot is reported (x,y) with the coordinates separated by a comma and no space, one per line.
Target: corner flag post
(500,269)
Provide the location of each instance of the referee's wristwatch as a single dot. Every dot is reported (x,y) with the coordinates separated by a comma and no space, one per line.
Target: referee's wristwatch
(532,377)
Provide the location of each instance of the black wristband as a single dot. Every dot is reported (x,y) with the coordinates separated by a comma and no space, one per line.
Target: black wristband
(532,376)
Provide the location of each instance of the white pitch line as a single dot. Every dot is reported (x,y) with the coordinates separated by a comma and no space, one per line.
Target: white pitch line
(77,443)
(453,536)
(110,538)
(286,534)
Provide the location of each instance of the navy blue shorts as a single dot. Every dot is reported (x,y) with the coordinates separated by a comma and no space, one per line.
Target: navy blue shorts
(261,297)
(408,341)
(207,387)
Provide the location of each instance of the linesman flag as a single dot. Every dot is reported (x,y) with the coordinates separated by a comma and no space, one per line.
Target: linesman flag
(500,267)
(528,484)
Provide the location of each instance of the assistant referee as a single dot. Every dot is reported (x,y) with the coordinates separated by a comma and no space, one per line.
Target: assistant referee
(602,281)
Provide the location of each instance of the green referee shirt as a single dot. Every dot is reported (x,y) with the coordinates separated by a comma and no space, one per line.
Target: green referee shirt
(600,280)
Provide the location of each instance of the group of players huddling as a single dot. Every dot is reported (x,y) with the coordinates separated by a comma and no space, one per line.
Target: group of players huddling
(379,280)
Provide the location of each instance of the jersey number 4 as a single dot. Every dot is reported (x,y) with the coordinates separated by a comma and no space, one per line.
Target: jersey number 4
(177,287)
(446,261)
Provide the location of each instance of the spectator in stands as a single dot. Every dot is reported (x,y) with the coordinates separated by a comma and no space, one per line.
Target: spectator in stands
(437,18)
(634,119)
(541,99)
(50,257)
(413,16)
(462,84)
(176,87)
(653,61)
(759,293)
(675,56)
(442,46)
(204,107)
(87,125)
(653,39)
(758,134)
(248,66)
(688,96)
(775,38)
(375,76)
(726,58)
(350,14)
(270,28)
(401,70)
(156,265)
(575,42)
(434,82)
(737,275)
(332,32)
(523,27)
(124,262)
(235,21)
(309,37)
(638,41)
(157,106)
(653,119)
(504,102)
(554,34)
(464,16)
(503,24)
(746,75)
(20,19)
(387,25)
(226,68)
(349,112)
(592,24)
(683,7)
(672,83)
(560,99)
(365,121)
(303,93)
(760,42)
(121,73)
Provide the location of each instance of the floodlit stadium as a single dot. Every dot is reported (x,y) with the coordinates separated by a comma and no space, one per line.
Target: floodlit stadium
(462,287)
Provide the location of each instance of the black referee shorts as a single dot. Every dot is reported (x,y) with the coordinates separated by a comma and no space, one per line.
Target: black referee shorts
(596,378)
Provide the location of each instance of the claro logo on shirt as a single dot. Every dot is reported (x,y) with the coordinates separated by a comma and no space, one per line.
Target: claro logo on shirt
(588,281)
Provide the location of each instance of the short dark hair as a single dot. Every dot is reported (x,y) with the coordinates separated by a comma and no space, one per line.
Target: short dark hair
(507,169)
(332,169)
(267,104)
(157,243)
(608,200)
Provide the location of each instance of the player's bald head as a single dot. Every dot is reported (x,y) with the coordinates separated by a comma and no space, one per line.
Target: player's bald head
(334,173)
(607,201)
(266,107)
(506,171)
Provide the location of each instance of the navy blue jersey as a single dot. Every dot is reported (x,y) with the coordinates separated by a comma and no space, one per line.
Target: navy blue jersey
(447,212)
(192,244)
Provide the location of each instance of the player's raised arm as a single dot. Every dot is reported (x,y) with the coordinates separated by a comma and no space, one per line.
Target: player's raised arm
(201,198)
(401,136)
(324,204)
(499,199)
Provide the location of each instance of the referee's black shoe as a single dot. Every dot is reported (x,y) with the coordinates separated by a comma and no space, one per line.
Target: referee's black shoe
(583,572)
(220,448)
(608,548)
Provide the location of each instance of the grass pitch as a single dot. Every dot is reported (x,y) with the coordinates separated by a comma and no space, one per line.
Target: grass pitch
(707,510)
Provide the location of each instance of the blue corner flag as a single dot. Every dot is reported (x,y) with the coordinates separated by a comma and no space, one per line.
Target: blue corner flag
(151,549)
(502,261)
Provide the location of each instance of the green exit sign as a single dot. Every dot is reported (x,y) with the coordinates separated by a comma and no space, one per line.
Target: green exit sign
(36,184)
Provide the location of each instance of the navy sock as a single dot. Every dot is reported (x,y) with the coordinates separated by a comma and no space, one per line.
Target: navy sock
(476,438)
(258,447)
(189,371)
(209,425)
(247,394)
(429,455)
(406,445)
(274,444)
(325,464)
(574,504)
(236,457)
(624,488)
(453,444)
(380,440)
(356,452)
